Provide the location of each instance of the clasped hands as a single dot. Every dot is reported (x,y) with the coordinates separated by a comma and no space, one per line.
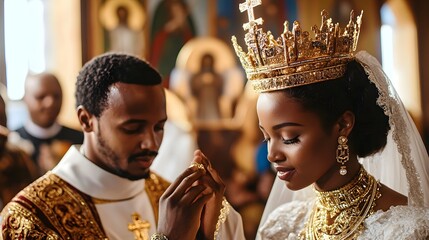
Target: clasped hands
(190,207)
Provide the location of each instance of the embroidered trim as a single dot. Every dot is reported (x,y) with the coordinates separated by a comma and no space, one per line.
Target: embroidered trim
(224,211)
(50,207)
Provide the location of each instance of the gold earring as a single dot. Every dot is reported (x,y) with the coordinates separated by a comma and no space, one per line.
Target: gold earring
(342,153)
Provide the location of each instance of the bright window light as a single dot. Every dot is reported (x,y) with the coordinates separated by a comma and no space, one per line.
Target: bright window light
(387,49)
(387,55)
(24,43)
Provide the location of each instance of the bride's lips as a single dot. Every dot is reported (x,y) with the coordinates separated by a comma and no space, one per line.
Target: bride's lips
(285,174)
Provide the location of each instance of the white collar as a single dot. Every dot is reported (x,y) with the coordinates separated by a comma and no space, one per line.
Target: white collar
(42,133)
(94,181)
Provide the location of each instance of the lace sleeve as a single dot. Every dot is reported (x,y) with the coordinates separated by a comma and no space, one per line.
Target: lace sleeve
(401,222)
(287,221)
(230,225)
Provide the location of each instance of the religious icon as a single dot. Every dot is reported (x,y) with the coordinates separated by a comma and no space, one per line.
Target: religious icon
(209,81)
(207,89)
(124,21)
(172,27)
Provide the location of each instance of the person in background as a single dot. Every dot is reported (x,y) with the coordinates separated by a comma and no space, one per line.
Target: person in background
(43,98)
(16,168)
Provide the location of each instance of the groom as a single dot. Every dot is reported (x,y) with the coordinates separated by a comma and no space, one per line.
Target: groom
(103,189)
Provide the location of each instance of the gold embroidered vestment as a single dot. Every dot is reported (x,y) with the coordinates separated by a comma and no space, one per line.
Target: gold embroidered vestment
(50,208)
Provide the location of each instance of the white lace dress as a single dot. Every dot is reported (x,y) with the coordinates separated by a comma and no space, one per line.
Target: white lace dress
(401,222)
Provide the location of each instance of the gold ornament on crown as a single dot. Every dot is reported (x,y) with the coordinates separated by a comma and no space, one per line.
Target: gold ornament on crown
(294,58)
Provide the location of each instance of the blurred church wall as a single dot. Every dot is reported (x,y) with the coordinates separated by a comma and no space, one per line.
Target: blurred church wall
(369,40)
(76,35)
(420,9)
(66,53)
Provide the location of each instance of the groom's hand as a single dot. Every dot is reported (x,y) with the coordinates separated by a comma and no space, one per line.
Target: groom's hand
(181,206)
(212,208)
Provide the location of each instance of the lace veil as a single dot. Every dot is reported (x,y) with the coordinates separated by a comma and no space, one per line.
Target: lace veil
(402,165)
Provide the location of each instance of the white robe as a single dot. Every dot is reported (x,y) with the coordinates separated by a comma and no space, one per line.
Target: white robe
(87,177)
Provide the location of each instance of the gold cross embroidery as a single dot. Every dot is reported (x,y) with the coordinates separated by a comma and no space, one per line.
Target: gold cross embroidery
(248,6)
(139,228)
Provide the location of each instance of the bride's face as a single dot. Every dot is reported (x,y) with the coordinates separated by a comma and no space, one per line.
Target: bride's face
(301,150)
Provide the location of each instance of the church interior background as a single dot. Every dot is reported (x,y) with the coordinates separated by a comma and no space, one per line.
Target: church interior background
(189,43)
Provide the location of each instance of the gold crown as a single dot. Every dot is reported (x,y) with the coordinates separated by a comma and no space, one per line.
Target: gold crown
(294,58)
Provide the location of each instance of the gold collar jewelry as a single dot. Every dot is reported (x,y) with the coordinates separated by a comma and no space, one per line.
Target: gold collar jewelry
(339,214)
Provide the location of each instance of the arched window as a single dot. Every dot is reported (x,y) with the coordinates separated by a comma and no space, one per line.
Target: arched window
(387,49)
(24,43)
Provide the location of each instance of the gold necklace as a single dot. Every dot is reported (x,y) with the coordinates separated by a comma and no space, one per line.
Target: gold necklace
(339,214)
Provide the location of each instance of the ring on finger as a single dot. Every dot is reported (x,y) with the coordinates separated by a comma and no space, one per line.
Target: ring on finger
(198,165)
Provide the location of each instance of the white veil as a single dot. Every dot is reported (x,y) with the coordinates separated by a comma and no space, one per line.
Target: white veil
(402,165)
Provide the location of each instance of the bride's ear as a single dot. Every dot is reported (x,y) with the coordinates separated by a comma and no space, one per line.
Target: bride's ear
(346,123)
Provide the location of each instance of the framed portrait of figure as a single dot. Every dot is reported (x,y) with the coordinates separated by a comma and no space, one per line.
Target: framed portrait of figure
(155,30)
(123,23)
(172,24)
(113,25)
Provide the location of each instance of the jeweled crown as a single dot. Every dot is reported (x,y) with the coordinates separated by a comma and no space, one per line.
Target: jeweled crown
(294,58)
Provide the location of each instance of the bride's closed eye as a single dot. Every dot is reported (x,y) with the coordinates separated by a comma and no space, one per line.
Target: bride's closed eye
(294,140)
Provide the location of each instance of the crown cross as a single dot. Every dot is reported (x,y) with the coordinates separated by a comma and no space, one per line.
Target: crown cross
(248,6)
(139,228)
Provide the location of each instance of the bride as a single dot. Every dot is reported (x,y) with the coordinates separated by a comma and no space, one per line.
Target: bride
(349,203)
(349,160)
